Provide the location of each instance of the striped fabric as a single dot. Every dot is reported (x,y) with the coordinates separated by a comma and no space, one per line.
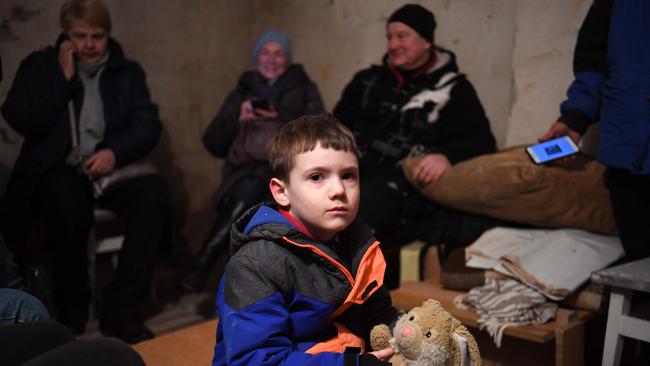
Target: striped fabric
(503,303)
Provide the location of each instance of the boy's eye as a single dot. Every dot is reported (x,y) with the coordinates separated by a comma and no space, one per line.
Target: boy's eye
(349,176)
(315,177)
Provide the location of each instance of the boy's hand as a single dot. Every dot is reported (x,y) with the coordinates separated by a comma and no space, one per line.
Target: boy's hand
(383,354)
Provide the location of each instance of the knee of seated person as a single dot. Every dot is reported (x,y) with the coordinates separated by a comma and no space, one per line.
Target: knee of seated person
(17,306)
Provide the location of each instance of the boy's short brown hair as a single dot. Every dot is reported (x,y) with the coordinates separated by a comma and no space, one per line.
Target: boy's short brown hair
(91,12)
(304,134)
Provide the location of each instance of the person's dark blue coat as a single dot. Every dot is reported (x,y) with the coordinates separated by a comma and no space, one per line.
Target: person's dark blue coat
(612,83)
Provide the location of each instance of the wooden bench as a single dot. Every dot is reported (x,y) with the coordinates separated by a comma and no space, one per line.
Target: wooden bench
(567,331)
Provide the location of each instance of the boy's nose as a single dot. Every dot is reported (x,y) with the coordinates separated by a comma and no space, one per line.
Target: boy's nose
(336,188)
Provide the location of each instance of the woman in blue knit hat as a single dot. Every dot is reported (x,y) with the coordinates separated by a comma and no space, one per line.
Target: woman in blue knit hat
(276,92)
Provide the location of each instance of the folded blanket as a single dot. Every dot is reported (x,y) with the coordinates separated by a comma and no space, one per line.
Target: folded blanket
(503,303)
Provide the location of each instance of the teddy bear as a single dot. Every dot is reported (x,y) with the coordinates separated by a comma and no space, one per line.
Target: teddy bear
(427,336)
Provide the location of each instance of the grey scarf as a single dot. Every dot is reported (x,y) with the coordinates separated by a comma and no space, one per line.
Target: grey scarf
(91,119)
(505,303)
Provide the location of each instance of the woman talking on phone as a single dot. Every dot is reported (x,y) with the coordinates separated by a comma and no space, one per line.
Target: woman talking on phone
(84,111)
(264,99)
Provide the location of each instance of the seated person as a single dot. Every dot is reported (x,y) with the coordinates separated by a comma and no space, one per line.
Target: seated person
(415,104)
(305,281)
(264,99)
(85,74)
(45,343)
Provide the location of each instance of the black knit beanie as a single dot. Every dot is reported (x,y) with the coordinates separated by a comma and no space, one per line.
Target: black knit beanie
(416,17)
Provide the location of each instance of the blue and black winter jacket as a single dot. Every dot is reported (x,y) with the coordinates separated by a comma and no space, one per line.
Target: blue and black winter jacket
(286,299)
(612,82)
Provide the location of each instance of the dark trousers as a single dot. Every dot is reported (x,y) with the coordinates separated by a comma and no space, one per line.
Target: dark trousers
(50,343)
(630,198)
(400,214)
(65,207)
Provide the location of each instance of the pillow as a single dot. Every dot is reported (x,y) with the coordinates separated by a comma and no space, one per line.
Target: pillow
(507,185)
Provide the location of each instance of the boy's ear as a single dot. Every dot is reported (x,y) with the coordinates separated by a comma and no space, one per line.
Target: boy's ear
(279,192)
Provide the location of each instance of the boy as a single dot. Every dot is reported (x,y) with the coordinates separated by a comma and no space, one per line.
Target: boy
(305,283)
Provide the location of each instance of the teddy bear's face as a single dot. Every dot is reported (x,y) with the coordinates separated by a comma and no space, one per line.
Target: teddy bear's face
(422,336)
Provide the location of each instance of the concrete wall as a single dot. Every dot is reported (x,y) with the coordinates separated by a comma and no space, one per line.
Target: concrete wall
(517,53)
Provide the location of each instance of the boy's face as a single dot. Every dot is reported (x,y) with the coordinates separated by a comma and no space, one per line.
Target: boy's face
(322,192)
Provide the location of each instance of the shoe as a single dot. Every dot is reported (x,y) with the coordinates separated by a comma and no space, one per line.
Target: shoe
(131,332)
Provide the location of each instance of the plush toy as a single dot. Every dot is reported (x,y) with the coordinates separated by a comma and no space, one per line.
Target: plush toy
(428,335)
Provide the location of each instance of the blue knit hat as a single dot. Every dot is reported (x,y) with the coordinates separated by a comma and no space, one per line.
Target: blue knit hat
(277,37)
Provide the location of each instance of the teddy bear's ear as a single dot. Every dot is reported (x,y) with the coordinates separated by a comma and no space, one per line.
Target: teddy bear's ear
(435,304)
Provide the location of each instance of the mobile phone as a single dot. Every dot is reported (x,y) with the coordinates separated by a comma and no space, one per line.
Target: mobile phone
(552,149)
(261,104)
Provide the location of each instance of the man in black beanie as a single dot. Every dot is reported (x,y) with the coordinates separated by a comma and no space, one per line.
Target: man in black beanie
(415,103)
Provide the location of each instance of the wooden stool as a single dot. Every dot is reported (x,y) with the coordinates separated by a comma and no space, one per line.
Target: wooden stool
(624,280)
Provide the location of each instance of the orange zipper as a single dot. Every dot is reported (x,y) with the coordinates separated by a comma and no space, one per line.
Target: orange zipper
(324,255)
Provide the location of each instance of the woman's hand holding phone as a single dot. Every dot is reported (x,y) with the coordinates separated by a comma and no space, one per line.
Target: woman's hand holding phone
(246,112)
(66,59)
(266,113)
(263,108)
(249,112)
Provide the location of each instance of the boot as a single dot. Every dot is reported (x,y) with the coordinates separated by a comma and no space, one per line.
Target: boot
(217,244)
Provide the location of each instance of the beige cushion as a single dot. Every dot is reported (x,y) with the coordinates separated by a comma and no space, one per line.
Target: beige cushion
(508,185)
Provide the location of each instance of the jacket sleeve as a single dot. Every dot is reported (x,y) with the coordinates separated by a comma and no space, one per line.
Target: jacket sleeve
(378,309)
(140,133)
(38,93)
(467,130)
(254,319)
(223,128)
(313,101)
(348,108)
(581,107)
(300,101)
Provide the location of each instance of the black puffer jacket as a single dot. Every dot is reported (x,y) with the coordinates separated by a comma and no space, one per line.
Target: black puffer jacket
(436,111)
(293,95)
(37,108)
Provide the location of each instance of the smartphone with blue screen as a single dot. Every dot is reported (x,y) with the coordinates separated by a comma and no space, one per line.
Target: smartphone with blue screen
(552,149)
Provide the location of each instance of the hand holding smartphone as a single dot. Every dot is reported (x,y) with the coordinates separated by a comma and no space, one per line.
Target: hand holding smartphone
(261,104)
(552,149)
